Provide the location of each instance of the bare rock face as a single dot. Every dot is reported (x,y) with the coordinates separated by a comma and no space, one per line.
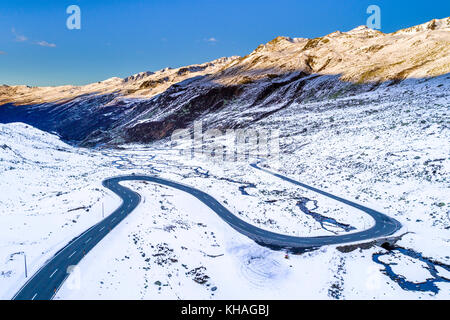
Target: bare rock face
(231,92)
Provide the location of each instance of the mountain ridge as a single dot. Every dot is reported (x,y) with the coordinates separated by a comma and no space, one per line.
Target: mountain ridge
(150,105)
(314,52)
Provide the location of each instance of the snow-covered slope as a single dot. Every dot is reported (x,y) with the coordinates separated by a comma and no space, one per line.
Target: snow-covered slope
(386,149)
(145,83)
(50,193)
(360,55)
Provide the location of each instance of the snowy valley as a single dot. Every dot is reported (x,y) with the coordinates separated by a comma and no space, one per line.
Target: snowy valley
(376,136)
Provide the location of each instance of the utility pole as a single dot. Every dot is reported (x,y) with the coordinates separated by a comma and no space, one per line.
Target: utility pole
(25,261)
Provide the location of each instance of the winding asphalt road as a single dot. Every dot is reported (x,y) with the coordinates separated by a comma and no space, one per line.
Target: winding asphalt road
(44,284)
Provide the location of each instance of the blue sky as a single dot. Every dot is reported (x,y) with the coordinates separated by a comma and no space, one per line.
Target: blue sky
(120,38)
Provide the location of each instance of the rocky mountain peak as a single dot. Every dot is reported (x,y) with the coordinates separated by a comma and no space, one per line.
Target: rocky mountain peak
(359,55)
(435,24)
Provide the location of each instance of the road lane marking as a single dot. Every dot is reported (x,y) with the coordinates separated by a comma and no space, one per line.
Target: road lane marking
(72,254)
(102,228)
(113,219)
(53,273)
(34,296)
(88,240)
(207,198)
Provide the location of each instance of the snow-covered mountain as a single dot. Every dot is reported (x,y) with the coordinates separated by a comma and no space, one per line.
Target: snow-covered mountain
(363,115)
(386,149)
(149,106)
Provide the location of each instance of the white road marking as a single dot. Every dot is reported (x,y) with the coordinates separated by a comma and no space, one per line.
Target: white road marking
(34,296)
(72,254)
(113,219)
(88,240)
(102,228)
(53,273)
